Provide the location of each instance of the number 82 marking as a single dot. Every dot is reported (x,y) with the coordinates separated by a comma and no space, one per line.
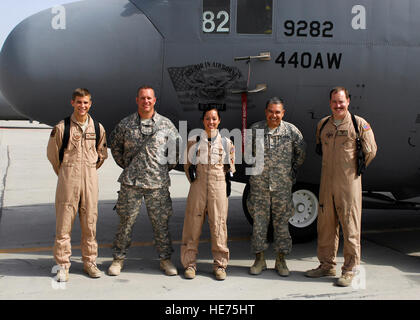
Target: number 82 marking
(208,21)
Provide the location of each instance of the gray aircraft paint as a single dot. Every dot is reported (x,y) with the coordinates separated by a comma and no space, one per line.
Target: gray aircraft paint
(7,112)
(112,47)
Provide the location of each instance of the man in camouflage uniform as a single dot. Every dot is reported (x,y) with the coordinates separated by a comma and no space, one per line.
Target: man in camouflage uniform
(271,186)
(145,144)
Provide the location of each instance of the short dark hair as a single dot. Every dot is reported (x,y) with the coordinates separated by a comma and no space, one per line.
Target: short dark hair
(338,89)
(274,100)
(209,108)
(80,92)
(144,87)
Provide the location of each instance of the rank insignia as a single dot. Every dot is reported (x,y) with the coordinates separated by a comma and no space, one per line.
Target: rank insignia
(342,133)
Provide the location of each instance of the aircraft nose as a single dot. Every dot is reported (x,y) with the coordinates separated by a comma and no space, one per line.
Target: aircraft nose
(7,112)
(109,47)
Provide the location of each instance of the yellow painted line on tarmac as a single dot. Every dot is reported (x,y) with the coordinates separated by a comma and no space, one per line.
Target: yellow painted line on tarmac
(23,250)
(106,245)
(391,230)
(150,243)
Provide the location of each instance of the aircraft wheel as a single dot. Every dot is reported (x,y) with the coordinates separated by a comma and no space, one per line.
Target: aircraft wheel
(303,224)
(245,195)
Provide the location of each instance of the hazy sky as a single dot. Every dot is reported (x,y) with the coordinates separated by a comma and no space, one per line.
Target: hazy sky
(14,11)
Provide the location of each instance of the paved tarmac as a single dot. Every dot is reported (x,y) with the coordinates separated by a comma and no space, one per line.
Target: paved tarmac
(390,266)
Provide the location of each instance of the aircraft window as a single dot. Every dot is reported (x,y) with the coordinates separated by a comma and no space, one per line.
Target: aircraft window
(254,16)
(216,16)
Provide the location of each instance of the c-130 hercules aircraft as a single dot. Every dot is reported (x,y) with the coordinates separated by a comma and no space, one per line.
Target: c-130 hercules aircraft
(235,54)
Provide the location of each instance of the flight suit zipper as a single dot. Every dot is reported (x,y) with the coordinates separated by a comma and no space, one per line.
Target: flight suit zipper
(81,156)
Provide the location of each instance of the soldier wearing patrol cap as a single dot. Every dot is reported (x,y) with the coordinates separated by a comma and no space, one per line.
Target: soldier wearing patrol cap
(75,161)
(271,187)
(141,145)
(340,194)
(213,159)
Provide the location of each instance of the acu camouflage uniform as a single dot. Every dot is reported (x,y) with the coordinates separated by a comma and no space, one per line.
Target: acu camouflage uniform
(284,153)
(147,152)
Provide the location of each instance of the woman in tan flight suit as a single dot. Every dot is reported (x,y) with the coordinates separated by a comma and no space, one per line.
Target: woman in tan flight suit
(210,160)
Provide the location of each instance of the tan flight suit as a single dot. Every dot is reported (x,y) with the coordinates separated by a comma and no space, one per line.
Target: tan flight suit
(340,195)
(77,187)
(207,195)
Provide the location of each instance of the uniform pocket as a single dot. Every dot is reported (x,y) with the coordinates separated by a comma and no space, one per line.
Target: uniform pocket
(67,163)
(166,203)
(122,201)
(216,156)
(90,151)
(349,152)
(285,144)
(70,153)
(250,204)
(349,145)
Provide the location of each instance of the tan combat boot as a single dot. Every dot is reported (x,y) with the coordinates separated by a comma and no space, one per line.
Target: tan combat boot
(259,264)
(167,266)
(345,280)
(320,272)
(116,267)
(189,273)
(62,275)
(220,273)
(92,270)
(281,266)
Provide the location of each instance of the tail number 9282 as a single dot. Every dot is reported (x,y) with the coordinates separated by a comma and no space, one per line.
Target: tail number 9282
(313,29)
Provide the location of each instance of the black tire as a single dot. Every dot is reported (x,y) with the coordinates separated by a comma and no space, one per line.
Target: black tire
(299,235)
(245,195)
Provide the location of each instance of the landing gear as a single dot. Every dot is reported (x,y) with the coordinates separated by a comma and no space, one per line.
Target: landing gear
(302,226)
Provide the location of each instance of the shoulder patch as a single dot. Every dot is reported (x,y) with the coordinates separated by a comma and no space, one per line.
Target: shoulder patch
(366,127)
(53,131)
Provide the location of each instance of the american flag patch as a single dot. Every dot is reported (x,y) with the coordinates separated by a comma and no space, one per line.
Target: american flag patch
(366,127)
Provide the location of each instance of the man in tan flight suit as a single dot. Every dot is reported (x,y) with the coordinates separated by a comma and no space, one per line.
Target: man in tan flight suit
(77,187)
(340,195)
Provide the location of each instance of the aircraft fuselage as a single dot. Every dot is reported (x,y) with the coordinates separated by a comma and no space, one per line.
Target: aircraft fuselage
(190,52)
